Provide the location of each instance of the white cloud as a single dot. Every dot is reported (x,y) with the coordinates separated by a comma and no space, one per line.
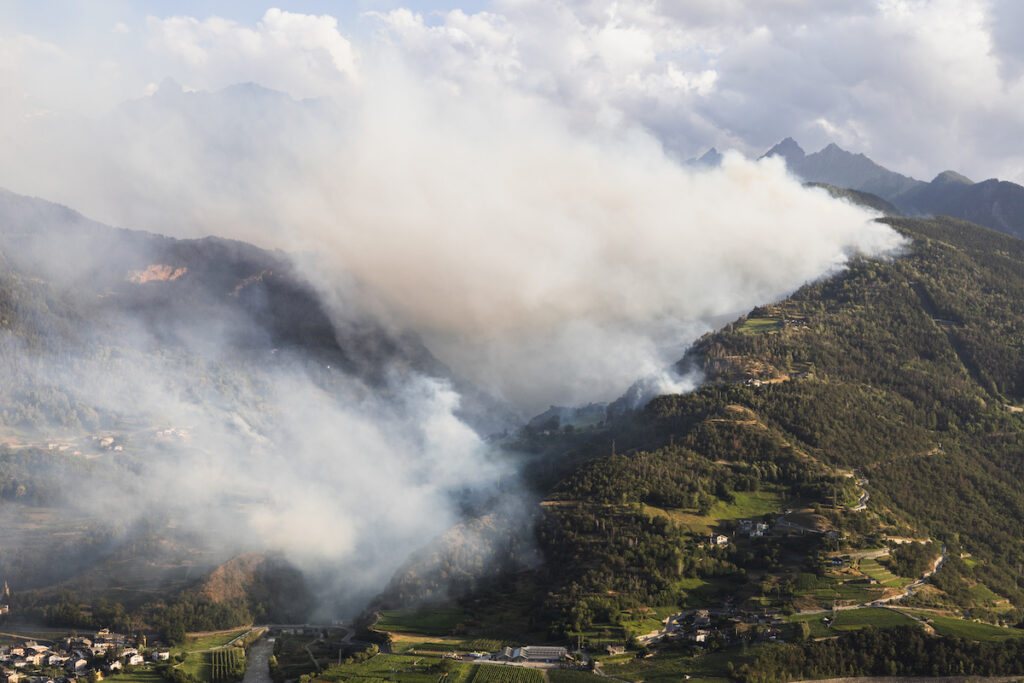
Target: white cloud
(301,54)
(918,84)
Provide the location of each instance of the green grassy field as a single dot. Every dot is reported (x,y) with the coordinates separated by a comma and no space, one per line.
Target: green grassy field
(747,504)
(819,629)
(405,642)
(198,659)
(645,620)
(853,619)
(567,676)
(982,594)
(759,325)
(673,666)
(961,628)
(874,569)
(705,592)
(424,621)
(210,642)
(401,668)
(137,676)
(198,664)
(847,592)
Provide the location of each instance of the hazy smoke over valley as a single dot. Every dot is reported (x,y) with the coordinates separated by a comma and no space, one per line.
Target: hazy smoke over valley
(545,263)
(542,260)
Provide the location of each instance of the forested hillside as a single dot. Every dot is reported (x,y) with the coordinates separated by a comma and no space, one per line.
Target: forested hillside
(906,373)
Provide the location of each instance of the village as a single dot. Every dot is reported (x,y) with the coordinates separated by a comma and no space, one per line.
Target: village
(74,658)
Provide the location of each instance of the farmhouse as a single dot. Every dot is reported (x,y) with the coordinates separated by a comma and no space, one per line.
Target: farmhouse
(534,654)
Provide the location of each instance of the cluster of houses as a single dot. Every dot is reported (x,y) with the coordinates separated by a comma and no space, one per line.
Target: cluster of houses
(745,527)
(702,626)
(753,529)
(694,626)
(107,442)
(72,658)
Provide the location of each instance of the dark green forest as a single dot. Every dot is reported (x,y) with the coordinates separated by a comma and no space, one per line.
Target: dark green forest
(907,370)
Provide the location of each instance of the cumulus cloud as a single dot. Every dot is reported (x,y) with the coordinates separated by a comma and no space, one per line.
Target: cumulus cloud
(302,54)
(919,85)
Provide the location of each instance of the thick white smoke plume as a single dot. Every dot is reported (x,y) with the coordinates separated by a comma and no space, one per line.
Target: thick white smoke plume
(543,262)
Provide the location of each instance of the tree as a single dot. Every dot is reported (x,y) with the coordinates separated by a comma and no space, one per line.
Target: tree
(174,633)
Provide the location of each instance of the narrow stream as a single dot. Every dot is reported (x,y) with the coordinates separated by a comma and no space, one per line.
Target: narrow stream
(257,669)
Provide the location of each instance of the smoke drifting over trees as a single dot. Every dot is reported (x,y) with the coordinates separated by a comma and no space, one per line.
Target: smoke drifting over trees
(541,262)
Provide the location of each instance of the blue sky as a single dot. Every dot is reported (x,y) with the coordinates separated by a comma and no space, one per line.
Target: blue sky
(63,19)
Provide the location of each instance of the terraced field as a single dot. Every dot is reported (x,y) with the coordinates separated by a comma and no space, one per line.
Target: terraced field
(876,570)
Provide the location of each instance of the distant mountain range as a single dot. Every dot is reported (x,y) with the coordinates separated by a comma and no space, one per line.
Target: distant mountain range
(993,203)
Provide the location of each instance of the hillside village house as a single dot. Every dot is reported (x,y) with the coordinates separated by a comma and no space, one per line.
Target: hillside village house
(73,654)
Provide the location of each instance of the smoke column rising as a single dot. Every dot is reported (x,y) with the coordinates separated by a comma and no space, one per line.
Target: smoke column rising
(544,262)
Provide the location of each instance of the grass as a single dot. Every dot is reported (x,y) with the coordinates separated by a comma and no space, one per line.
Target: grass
(211,641)
(425,621)
(854,619)
(749,504)
(759,325)
(495,673)
(971,630)
(851,620)
(746,505)
(874,569)
(819,629)
(398,667)
(137,676)
(38,636)
(198,664)
(673,666)
(406,642)
(198,659)
(981,593)
(705,592)
(569,676)
(847,592)
(646,619)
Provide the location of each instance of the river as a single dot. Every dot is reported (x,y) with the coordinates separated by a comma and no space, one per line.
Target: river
(257,669)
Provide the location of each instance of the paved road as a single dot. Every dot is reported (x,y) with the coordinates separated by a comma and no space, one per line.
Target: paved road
(909,590)
(884,602)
